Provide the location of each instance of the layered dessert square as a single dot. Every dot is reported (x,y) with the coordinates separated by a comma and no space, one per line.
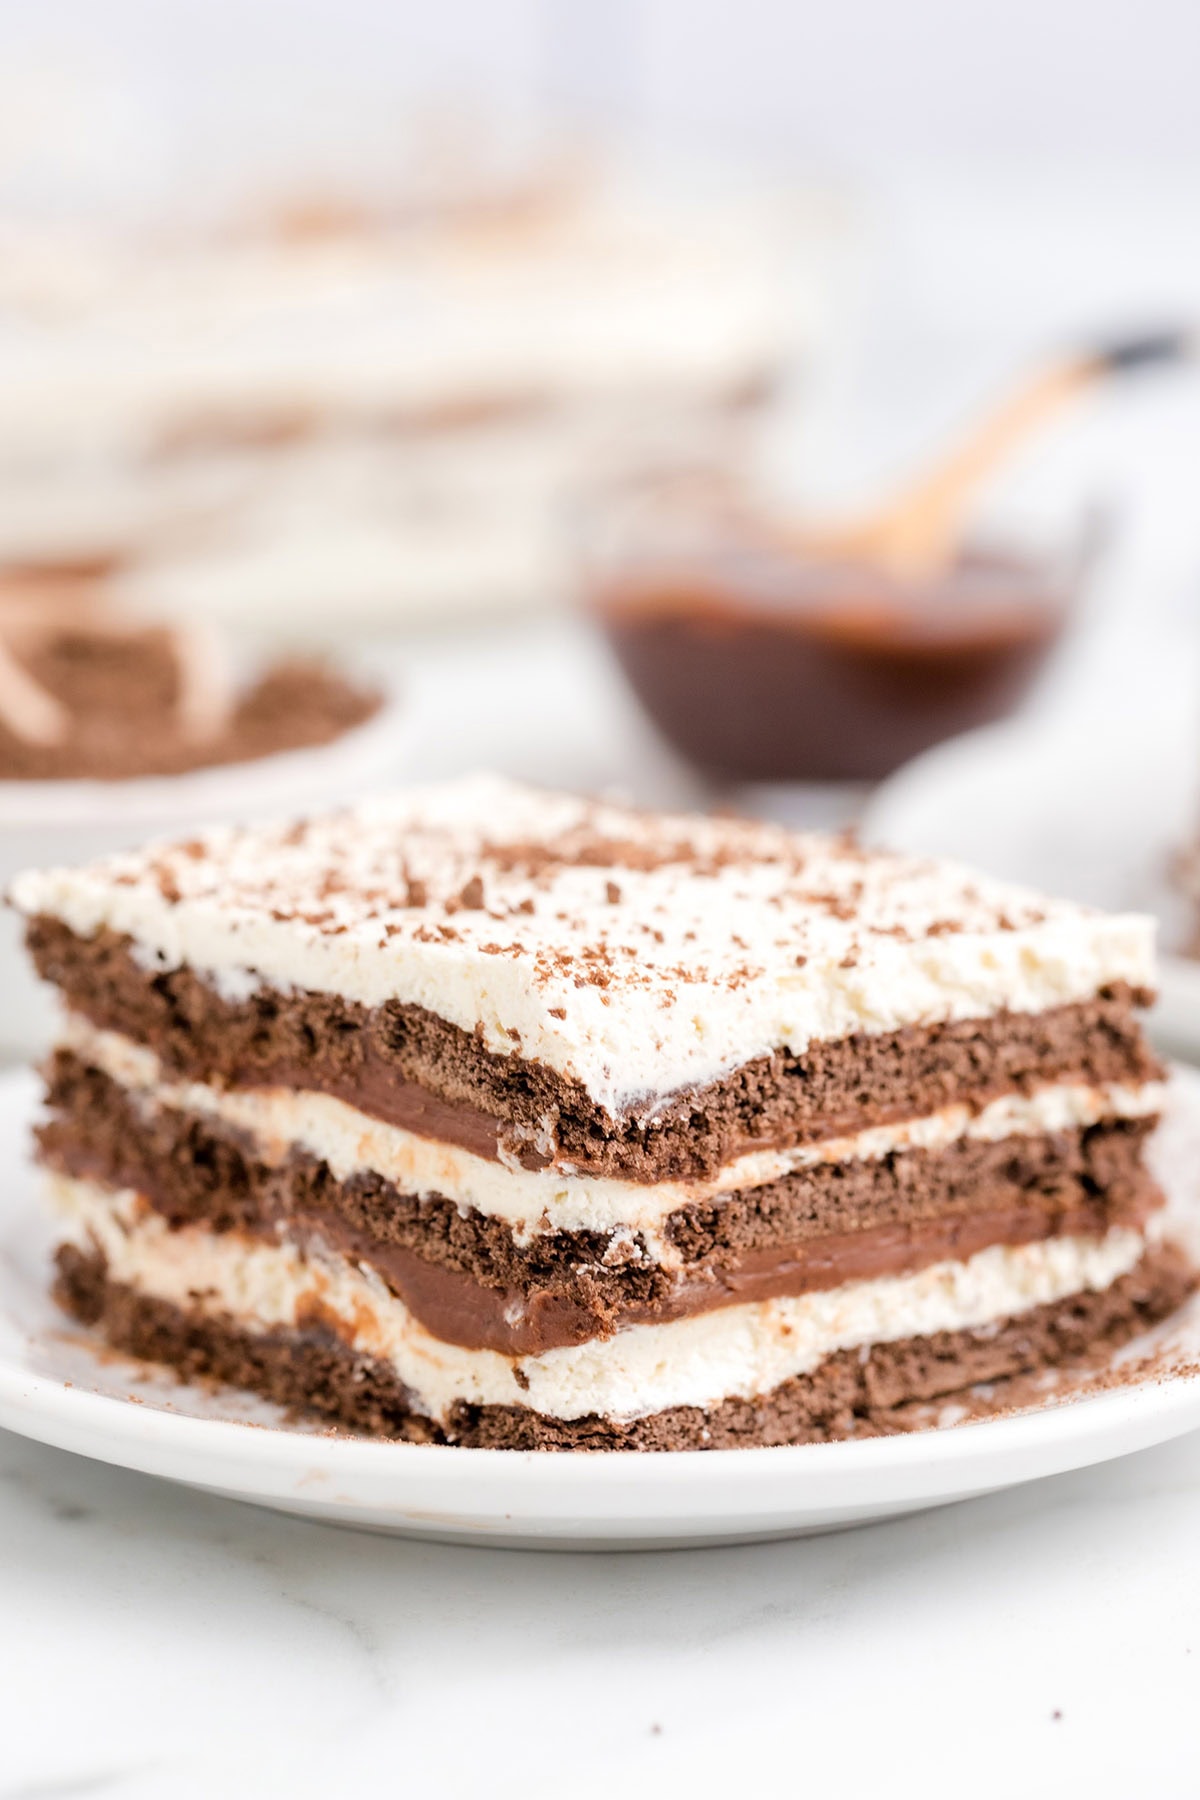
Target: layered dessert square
(488,1116)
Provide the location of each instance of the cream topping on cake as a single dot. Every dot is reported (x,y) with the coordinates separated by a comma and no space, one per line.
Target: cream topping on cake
(637,953)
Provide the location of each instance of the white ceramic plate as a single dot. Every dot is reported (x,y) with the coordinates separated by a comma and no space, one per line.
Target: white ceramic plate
(54,1386)
(1095,814)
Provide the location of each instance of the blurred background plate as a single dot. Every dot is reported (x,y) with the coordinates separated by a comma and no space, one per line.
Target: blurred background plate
(1093,807)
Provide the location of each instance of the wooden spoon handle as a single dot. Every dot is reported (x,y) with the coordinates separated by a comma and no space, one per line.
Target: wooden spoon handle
(916,534)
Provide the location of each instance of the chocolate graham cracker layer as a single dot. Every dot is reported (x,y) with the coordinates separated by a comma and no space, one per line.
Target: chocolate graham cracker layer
(852,1393)
(470,1282)
(403,1064)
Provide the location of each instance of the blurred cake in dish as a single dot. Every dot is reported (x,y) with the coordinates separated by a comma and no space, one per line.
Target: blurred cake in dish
(488,1116)
(368,413)
(89,692)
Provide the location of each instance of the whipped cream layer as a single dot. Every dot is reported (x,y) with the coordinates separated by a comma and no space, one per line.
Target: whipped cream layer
(742,1351)
(635,953)
(533,1202)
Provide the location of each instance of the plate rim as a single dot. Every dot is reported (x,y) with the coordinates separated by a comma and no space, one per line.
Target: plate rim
(21,1389)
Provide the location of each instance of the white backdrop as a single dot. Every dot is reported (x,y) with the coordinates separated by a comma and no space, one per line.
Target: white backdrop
(116,94)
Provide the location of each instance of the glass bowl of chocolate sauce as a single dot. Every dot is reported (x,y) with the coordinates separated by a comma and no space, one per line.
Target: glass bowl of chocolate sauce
(760,660)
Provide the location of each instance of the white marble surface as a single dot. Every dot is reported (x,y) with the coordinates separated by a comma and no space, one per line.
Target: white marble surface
(155,1642)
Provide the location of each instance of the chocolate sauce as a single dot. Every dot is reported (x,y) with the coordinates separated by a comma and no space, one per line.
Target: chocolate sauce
(757,664)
